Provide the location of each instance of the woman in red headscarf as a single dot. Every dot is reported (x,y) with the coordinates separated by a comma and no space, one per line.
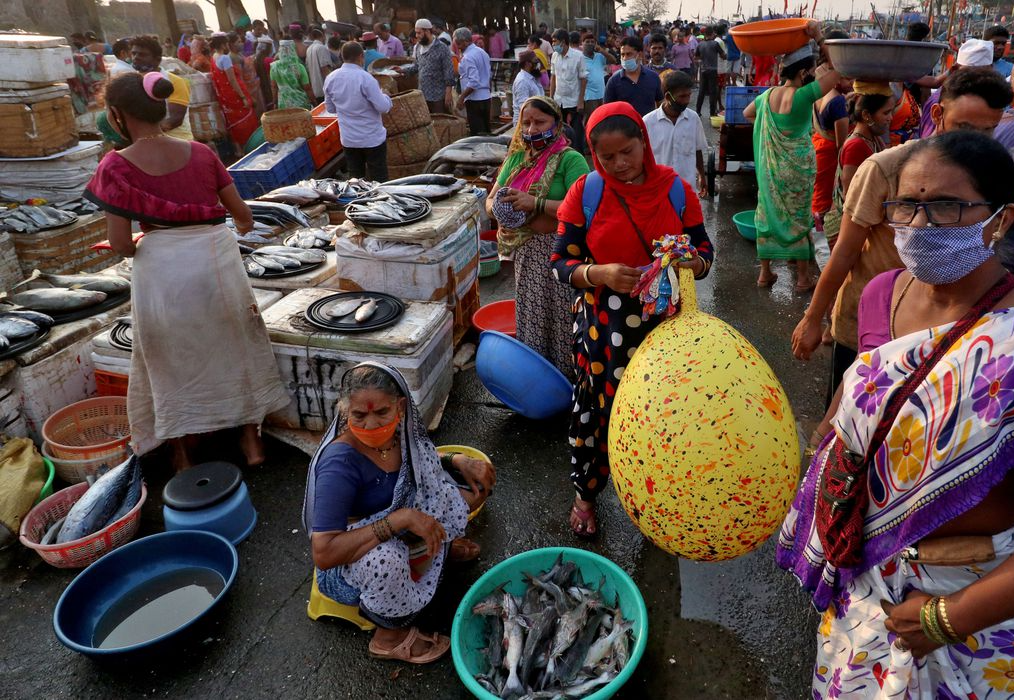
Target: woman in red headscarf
(602,258)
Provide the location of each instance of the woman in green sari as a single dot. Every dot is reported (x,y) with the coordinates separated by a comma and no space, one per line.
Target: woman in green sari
(289,80)
(786,164)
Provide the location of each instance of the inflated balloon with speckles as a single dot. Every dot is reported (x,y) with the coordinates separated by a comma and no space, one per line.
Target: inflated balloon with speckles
(703,446)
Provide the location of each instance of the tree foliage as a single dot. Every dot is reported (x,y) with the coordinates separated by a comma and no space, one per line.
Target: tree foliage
(647,9)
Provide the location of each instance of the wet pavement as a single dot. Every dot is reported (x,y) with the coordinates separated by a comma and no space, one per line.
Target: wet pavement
(737,629)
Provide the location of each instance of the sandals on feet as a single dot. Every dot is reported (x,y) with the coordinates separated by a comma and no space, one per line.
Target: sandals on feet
(438,646)
(463,549)
(586,517)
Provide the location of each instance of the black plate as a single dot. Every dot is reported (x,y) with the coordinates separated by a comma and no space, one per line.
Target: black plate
(111,302)
(28,343)
(290,273)
(426,211)
(389,310)
(121,337)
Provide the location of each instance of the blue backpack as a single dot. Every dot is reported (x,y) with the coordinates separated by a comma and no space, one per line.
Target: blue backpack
(594,186)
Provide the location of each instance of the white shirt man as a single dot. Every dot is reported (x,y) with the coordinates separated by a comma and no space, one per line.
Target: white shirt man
(677,144)
(570,76)
(318,64)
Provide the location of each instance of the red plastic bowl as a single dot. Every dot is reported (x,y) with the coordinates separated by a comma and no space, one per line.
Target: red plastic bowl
(497,316)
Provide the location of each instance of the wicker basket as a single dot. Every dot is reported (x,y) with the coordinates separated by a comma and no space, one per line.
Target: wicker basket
(404,82)
(449,128)
(387,84)
(207,122)
(66,250)
(201,89)
(281,125)
(408,111)
(412,146)
(36,123)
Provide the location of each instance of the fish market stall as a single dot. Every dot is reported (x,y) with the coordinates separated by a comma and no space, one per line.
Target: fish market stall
(312,361)
(315,275)
(64,249)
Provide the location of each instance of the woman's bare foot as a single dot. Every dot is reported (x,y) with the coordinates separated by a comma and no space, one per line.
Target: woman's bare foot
(253,448)
(582,518)
(767,278)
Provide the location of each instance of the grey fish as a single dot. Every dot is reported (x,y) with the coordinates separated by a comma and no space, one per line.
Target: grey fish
(285,261)
(539,631)
(110,284)
(601,647)
(98,504)
(291,194)
(253,268)
(310,238)
(513,639)
(300,254)
(14,328)
(278,212)
(566,633)
(55,299)
(579,691)
(52,531)
(339,309)
(491,604)
(364,312)
(267,263)
(133,492)
(552,589)
(38,318)
(573,659)
(494,652)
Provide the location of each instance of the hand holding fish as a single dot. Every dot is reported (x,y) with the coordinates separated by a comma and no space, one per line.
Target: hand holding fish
(479,474)
(522,201)
(421,524)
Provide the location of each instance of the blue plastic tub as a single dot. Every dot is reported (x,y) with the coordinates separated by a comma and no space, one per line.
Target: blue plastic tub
(744,221)
(101,585)
(253,182)
(521,378)
(737,97)
(468,632)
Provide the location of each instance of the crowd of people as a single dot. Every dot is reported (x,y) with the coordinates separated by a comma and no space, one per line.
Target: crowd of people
(902,530)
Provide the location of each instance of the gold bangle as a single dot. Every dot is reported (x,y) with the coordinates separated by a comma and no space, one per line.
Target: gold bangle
(930,624)
(378,531)
(948,628)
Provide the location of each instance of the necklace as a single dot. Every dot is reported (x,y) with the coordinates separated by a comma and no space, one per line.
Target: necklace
(149,137)
(894,309)
(386,451)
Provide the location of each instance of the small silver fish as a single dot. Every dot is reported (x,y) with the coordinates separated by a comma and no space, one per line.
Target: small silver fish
(110,284)
(253,268)
(514,642)
(55,299)
(268,263)
(366,310)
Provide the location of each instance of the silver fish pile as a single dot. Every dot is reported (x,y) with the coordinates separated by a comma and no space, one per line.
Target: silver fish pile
(278,258)
(310,238)
(112,496)
(386,209)
(431,186)
(558,640)
(343,190)
(30,219)
(278,214)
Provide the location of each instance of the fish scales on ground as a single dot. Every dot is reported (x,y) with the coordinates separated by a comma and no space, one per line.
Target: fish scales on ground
(54,299)
(571,641)
(115,492)
(110,284)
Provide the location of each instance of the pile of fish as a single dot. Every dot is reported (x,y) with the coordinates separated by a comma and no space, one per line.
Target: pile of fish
(80,207)
(67,293)
(387,209)
(261,233)
(298,195)
(362,308)
(278,214)
(280,258)
(310,238)
(472,153)
(31,219)
(272,154)
(558,640)
(16,326)
(113,495)
(430,186)
(341,190)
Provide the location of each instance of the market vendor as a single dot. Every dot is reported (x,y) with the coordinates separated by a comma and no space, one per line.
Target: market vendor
(384,514)
(202,361)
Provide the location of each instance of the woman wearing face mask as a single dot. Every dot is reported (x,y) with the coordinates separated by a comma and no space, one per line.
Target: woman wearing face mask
(923,607)
(601,261)
(384,512)
(786,165)
(539,170)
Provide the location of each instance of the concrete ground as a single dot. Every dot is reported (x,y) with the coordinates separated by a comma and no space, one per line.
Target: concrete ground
(738,629)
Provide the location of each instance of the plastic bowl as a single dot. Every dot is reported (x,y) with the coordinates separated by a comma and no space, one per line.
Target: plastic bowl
(717,120)
(521,378)
(469,452)
(877,59)
(47,488)
(468,632)
(745,224)
(97,588)
(497,316)
(771,37)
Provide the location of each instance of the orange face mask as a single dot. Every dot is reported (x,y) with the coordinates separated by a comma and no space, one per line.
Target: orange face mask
(375,437)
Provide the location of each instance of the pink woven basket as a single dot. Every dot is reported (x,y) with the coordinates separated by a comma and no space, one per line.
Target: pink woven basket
(80,553)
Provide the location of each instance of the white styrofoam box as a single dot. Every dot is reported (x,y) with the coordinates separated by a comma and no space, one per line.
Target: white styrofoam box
(201,89)
(68,334)
(110,363)
(266,297)
(30,59)
(419,273)
(445,219)
(313,278)
(58,380)
(59,178)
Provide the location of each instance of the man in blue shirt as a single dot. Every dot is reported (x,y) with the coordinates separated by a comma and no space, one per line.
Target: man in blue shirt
(1000,38)
(635,84)
(473,69)
(370,45)
(595,60)
(734,57)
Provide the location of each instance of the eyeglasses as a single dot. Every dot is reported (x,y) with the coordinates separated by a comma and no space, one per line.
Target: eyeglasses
(938,213)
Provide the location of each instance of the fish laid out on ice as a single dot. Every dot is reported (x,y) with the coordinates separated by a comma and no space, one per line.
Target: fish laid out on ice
(54,299)
(111,497)
(110,284)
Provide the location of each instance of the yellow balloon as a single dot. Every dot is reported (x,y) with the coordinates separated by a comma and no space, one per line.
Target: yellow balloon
(702,442)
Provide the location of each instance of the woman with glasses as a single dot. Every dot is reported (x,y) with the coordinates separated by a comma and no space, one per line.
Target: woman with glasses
(928,610)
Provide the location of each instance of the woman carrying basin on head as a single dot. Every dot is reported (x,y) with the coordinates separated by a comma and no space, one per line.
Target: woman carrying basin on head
(918,588)
(384,514)
(601,260)
(202,360)
(539,169)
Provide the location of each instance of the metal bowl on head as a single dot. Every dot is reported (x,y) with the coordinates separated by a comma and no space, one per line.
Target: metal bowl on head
(880,59)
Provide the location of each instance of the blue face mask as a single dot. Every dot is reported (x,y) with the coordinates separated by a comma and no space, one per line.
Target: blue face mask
(538,141)
(558,48)
(942,254)
(629,64)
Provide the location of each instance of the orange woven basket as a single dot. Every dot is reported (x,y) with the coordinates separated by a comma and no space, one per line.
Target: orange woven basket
(80,553)
(88,429)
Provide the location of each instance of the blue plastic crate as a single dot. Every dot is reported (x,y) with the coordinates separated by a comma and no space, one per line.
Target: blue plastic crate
(253,182)
(737,97)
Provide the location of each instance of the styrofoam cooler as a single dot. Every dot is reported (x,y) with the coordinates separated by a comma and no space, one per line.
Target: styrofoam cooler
(313,362)
(27,60)
(59,178)
(420,275)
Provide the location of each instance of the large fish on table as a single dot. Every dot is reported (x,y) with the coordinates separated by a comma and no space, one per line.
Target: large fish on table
(55,299)
(110,284)
(111,497)
(430,186)
(279,213)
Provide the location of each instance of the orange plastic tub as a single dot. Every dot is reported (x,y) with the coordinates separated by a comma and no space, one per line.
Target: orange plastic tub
(496,316)
(771,37)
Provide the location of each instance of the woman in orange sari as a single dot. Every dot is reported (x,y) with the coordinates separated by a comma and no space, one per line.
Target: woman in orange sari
(237,105)
(907,116)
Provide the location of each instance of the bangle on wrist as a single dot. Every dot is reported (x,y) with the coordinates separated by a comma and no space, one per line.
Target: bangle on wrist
(587,275)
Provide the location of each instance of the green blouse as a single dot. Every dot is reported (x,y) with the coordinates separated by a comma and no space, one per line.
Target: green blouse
(799,119)
(572,166)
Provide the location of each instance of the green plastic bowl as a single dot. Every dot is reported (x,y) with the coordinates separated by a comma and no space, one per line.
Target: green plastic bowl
(468,631)
(745,224)
(47,488)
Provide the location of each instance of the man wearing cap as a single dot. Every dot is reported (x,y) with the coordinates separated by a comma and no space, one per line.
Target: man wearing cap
(389,44)
(473,69)
(318,64)
(431,60)
(974,53)
(369,41)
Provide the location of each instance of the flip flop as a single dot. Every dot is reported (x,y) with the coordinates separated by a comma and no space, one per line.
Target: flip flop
(439,646)
(769,283)
(584,516)
(463,549)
